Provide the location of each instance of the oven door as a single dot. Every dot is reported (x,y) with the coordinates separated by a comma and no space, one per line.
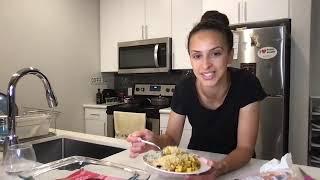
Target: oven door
(153,124)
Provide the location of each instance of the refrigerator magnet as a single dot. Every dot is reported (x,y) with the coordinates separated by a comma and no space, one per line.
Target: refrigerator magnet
(267,52)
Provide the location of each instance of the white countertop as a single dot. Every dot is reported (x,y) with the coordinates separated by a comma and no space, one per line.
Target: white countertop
(252,168)
(101,106)
(103,140)
(165,110)
(123,157)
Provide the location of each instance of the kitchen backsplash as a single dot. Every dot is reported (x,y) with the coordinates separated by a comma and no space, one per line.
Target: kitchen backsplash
(124,81)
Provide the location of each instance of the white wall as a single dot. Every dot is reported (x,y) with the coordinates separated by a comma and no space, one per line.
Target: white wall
(315,49)
(61,38)
(300,75)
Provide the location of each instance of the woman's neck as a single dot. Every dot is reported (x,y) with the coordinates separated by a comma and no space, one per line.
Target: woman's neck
(213,97)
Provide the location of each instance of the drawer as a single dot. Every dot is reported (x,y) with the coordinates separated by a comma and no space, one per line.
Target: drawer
(96,127)
(95,114)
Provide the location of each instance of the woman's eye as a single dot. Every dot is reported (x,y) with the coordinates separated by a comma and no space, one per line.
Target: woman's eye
(216,53)
(196,56)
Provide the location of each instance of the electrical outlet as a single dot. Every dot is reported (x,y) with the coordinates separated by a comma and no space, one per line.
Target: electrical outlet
(93,81)
(97,80)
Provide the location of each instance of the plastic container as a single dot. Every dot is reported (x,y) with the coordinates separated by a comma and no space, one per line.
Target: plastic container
(35,122)
(66,167)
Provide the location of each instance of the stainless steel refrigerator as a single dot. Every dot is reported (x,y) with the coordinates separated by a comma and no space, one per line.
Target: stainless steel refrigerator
(264,50)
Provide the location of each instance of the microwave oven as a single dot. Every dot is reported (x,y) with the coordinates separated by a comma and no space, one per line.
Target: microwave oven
(145,56)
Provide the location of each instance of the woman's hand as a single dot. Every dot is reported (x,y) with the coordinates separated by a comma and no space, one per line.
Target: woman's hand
(216,170)
(139,147)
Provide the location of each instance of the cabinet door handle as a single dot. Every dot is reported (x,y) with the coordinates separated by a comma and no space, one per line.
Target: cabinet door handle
(238,11)
(160,132)
(146,31)
(245,11)
(104,128)
(142,32)
(94,114)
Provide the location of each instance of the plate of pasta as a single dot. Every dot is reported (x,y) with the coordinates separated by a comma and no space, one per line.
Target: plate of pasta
(175,161)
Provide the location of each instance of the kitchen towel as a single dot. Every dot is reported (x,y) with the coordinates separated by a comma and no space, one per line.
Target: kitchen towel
(126,123)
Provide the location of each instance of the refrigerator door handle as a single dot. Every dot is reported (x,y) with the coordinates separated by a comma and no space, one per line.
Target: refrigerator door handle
(275,95)
(279,143)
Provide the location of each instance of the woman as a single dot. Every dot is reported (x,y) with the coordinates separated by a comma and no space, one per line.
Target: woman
(222,103)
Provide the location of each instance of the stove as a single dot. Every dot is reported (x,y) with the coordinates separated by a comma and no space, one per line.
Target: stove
(143,96)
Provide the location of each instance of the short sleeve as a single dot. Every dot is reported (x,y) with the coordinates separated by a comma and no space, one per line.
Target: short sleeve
(178,102)
(252,91)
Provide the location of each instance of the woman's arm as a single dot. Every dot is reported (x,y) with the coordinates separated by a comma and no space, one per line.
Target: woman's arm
(171,137)
(247,134)
(173,132)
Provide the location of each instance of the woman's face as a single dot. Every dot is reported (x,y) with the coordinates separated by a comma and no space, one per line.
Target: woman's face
(209,55)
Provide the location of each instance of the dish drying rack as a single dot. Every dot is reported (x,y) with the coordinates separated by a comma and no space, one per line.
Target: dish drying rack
(36,122)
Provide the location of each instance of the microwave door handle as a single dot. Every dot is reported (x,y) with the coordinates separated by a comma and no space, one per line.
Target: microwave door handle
(155,55)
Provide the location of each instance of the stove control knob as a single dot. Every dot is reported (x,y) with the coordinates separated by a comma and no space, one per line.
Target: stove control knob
(137,89)
(167,89)
(172,90)
(142,89)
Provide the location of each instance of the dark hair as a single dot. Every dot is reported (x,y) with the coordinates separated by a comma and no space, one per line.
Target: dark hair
(214,21)
(215,16)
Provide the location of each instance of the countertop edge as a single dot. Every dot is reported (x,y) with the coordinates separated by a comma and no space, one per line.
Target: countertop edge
(100,106)
(165,110)
(103,140)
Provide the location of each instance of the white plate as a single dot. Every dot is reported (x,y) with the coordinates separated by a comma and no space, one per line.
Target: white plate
(150,156)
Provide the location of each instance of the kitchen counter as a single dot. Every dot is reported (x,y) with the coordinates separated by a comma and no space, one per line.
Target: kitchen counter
(101,106)
(165,110)
(251,168)
(123,157)
(103,140)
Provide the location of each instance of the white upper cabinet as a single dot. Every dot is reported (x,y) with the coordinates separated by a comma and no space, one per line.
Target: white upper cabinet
(231,8)
(244,11)
(185,14)
(145,19)
(110,33)
(258,10)
(158,18)
(130,20)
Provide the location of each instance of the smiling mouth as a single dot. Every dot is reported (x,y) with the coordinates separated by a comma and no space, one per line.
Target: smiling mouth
(208,75)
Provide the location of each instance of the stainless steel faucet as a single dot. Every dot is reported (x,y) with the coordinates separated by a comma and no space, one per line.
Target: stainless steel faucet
(12,138)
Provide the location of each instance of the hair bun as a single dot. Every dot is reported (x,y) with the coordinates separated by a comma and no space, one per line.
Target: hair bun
(215,16)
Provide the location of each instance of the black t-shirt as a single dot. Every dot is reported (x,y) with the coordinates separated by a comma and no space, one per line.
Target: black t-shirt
(216,130)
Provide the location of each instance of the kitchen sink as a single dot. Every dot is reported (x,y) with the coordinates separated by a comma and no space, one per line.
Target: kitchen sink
(60,148)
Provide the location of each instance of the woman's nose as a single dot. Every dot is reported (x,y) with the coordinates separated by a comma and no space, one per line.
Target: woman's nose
(206,63)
